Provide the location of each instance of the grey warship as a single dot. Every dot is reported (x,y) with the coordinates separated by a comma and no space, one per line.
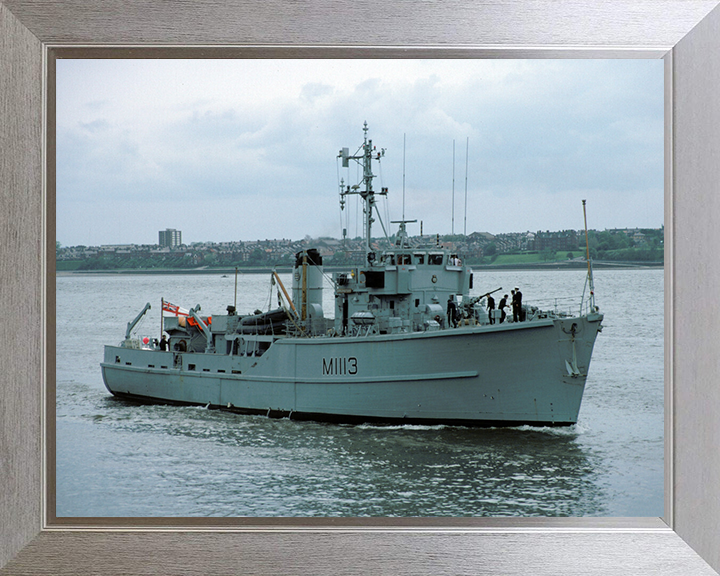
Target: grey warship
(400,316)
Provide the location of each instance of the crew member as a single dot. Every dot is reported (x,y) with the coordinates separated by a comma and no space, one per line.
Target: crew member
(517,305)
(163,343)
(451,311)
(501,307)
(491,308)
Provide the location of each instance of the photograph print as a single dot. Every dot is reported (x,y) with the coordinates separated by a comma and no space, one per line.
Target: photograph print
(359,288)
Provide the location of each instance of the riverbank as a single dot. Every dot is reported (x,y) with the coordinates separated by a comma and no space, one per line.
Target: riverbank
(571,265)
(559,265)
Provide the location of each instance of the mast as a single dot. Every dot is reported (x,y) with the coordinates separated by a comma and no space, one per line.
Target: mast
(235,299)
(162,314)
(403,212)
(587,257)
(467,147)
(453,191)
(366,193)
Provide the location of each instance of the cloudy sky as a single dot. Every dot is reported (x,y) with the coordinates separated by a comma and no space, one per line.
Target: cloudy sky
(247,149)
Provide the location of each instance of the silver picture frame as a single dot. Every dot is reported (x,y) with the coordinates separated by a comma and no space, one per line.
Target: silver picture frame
(685,33)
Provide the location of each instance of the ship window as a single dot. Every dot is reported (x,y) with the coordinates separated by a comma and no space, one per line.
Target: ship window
(165,367)
(417,302)
(419,258)
(404,259)
(128,363)
(223,371)
(435,259)
(117,359)
(191,366)
(206,369)
(392,304)
(151,365)
(236,372)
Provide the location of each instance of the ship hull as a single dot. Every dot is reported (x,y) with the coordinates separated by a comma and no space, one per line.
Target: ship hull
(509,374)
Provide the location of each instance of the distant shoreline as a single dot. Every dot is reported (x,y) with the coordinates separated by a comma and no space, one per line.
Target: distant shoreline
(572,265)
(569,265)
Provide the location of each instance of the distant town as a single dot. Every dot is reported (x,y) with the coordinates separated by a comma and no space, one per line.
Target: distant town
(625,246)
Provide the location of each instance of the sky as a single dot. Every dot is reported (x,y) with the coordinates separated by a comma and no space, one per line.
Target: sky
(228,150)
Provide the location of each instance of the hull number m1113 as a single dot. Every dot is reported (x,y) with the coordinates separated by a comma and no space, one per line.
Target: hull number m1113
(339,366)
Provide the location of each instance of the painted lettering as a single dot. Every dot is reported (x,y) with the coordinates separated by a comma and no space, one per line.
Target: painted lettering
(339,366)
(327,367)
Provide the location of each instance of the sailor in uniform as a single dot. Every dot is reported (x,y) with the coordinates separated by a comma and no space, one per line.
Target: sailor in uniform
(501,307)
(452,311)
(517,305)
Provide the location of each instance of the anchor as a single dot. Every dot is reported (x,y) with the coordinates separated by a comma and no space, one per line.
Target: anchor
(572,367)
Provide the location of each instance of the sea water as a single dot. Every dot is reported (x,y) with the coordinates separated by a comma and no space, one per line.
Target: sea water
(119,458)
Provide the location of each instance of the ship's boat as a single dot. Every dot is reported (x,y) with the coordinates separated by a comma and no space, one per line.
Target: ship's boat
(407,344)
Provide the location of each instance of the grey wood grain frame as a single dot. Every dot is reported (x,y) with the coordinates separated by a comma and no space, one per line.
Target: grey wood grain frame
(684,32)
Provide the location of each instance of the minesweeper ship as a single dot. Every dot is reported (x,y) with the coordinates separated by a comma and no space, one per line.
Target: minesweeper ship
(392,353)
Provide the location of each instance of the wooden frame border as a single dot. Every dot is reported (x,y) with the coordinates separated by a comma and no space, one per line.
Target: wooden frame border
(686,32)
